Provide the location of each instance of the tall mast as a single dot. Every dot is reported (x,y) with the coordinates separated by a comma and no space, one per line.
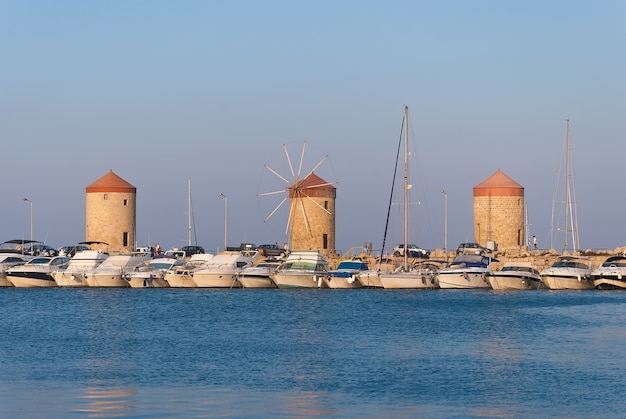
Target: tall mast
(571,215)
(406,185)
(189,211)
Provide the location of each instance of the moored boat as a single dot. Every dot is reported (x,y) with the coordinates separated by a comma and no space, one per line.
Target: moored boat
(515,276)
(611,274)
(82,262)
(182,276)
(259,275)
(466,271)
(36,272)
(568,273)
(110,272)
(302,269)
(7,261)
(221,270)
(152,275)
(346,275)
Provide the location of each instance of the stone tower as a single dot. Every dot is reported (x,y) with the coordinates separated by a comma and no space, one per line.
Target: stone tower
(312,202)
(499,212)
(111,212)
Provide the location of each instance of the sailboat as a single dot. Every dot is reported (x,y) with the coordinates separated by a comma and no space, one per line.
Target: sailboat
(420,275)
(569,272)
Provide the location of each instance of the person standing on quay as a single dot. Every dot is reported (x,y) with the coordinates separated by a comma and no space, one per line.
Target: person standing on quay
(535,242)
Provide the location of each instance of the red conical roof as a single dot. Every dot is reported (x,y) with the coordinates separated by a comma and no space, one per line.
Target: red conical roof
(313,185)
(111,183)
(498,184)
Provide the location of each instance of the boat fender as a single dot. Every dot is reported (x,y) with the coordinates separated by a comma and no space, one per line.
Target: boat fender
(619,275)
(351,279)
(579,278)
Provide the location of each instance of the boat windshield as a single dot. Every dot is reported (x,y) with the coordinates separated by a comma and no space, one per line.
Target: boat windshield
(569,264)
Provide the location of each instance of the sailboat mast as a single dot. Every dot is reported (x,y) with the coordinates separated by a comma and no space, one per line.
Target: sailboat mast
(571,217)
(406,185)
(189,212)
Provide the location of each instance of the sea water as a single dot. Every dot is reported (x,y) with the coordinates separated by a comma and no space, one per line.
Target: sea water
(155,353)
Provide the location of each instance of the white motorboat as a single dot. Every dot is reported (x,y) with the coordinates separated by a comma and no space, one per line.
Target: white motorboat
(7,261)
(259,275)
(182,276)
(611,274)
(466,271)
(36,272)
(152,275)
(346,275)
(515,276)
(221,270)
(568,273)
(82,262)
(301,269)
(110,273)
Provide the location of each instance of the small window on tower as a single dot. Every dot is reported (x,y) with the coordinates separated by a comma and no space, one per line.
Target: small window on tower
(125,202)
(105,196)
(325,240)
(125,239)
(325,205)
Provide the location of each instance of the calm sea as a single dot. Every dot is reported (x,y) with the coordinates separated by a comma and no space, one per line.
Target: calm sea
(311,353)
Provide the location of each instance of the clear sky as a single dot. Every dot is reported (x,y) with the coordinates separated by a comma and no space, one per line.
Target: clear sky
(163,92)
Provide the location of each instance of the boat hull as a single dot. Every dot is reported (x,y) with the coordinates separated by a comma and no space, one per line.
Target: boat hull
(554,282)
(463,280)
(340,282)
(106,281)
(250,281)
(178,280)
(609,283)
(216,280)
(409,280)
(148,281)
(69,279)
(298,280)
(32,280)
(513,282)
(370,279)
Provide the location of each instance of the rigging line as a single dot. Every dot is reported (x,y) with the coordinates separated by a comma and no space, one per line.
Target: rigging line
(393,182)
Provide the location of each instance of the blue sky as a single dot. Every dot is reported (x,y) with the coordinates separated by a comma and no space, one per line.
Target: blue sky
(163,92)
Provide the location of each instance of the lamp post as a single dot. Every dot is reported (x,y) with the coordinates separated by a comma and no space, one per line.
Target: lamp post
(31,216)
(445,222)
(225,218)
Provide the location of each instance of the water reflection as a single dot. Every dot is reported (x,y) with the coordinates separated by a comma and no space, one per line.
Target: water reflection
(108,403)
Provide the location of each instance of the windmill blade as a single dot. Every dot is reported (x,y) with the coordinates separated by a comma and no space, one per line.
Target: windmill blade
(293,175)
(290,218)
(317,165)
(306,219)
(275,209)
(271,193)
(301,159)
(318,205)
(278,174)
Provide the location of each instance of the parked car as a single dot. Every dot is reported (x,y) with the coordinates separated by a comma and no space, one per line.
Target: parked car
(192,250)
(413,252)
(472,249)
(271,250)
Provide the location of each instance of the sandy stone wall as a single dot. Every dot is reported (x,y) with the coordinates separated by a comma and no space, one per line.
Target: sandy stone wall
(319,223)
(108,216)
(499,219)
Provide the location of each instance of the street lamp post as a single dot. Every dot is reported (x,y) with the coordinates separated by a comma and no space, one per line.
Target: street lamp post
(31,216)
(445,222)
(225,218)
